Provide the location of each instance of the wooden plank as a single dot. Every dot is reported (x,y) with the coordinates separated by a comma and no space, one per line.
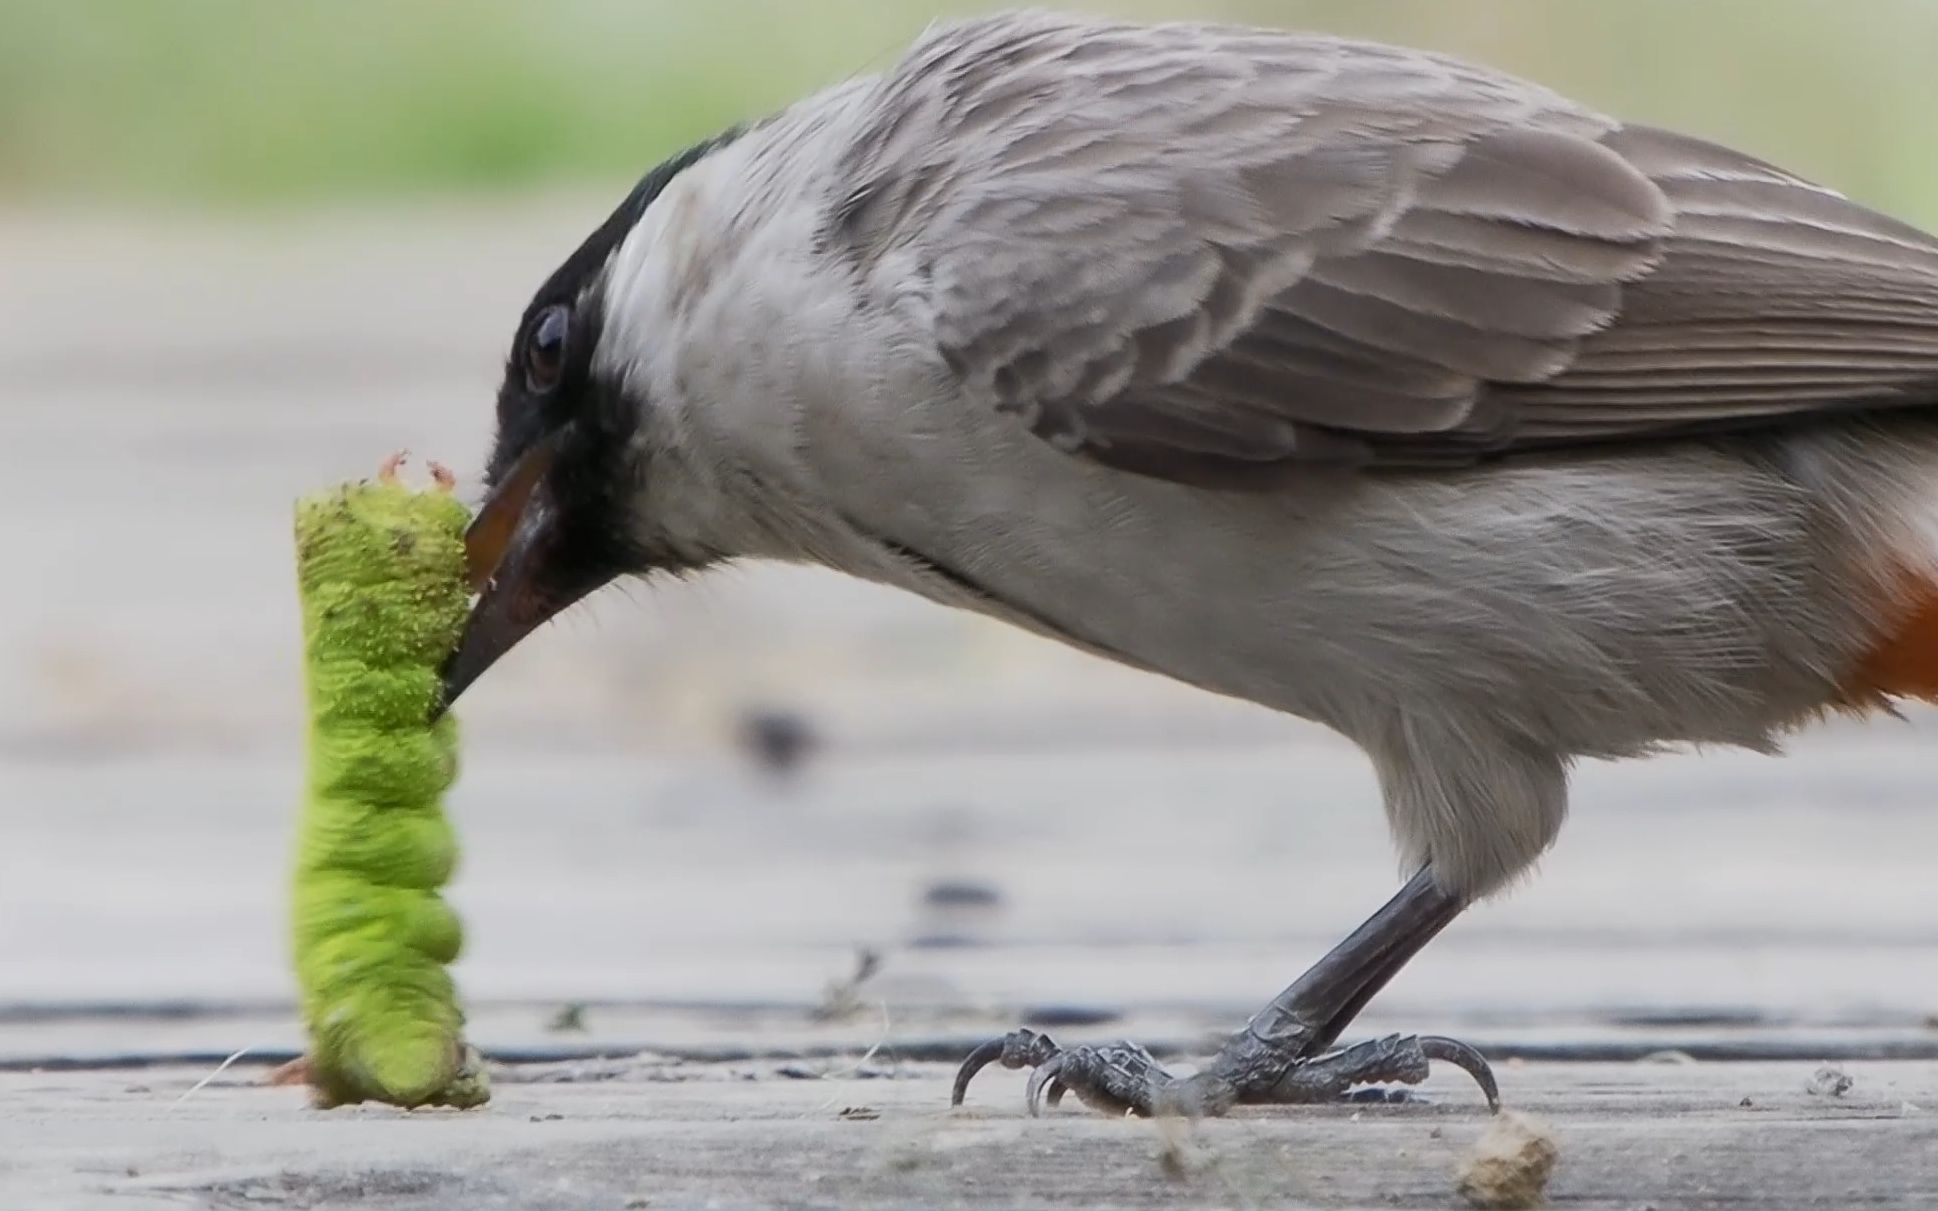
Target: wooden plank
(1666,1136)
(1186,875)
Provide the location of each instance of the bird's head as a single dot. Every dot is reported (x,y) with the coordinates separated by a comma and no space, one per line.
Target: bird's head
(562,515)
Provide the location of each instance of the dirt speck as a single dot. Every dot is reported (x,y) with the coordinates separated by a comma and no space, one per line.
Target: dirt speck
(570,1019)
(1509,1166)
(1829,1081)
(1178,1155)
(777,741)
(842,1000)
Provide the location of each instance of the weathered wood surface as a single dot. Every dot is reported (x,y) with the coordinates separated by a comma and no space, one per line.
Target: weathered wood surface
(1796,891)
(1631,1136)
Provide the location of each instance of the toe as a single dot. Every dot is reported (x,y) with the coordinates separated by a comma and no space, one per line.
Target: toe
(1472,1062)
(1017,1049)
(1048,1072)
(978,1060)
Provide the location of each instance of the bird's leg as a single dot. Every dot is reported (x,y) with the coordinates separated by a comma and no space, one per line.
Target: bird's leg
(1283,1055)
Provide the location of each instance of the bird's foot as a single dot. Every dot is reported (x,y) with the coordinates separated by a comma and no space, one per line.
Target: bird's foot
(1118,1078)
(1123,1078)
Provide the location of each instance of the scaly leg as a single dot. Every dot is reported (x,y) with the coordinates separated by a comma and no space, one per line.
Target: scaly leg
(1283,1055)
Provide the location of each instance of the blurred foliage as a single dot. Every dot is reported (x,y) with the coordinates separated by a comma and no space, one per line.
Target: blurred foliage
(221,100)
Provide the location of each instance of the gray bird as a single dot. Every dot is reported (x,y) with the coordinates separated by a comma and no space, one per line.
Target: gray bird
(1386,391)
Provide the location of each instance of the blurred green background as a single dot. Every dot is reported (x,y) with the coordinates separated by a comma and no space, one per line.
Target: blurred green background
(252,101)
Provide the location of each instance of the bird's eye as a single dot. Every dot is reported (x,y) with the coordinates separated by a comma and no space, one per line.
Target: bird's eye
(545,349)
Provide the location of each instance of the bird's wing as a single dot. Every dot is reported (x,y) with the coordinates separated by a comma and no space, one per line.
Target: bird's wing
(1192,252)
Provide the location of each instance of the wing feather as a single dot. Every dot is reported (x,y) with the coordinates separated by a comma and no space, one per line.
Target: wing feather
(1181,248)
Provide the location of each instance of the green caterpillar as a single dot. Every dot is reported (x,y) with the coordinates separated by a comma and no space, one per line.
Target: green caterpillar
(381,573)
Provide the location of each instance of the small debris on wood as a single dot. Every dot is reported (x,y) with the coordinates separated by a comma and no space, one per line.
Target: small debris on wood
(1668,1057)
(1746,1103)
(859,1114)
(1509,1166)
(1829,1081)
(570,1019)
(956,912)
(841,1000)
(961,893)
(778,741)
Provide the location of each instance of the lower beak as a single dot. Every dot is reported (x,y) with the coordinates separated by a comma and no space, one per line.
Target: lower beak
(510,548)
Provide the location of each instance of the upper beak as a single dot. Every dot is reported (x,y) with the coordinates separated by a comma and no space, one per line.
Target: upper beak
(507,551)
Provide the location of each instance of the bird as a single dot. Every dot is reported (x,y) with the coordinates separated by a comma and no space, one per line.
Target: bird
(1376,387)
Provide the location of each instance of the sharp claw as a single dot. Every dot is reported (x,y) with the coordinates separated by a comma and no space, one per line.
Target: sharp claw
(979,1059)
(1473,1063)
(1043,1075)
(1125,1076)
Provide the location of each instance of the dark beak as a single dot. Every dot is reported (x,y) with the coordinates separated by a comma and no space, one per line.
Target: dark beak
(510,550)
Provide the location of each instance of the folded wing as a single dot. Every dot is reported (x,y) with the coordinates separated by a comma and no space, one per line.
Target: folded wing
(1197,253)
